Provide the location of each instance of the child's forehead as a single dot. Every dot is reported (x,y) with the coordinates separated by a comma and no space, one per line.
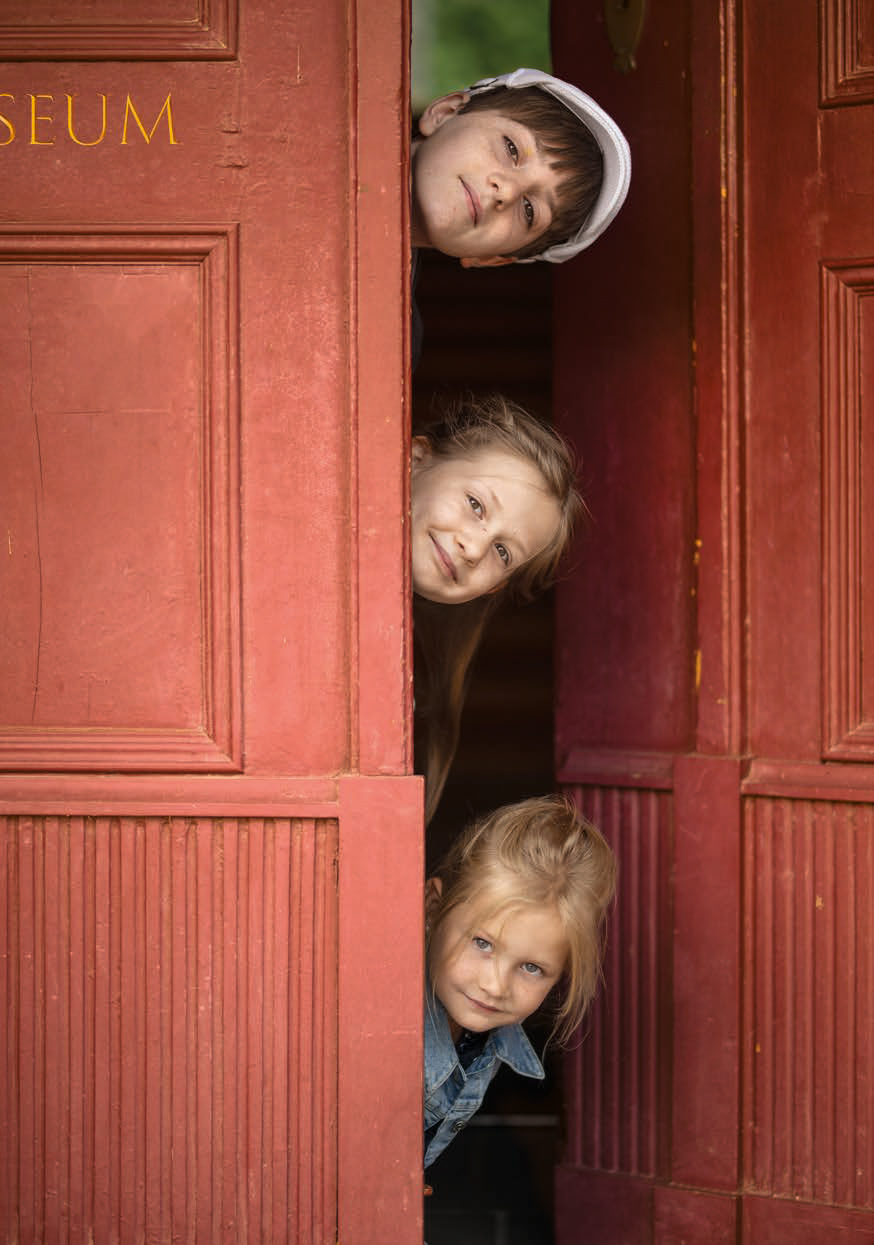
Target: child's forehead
(496,892)
(495,460)
(499,908)
(505,473)
(527,128)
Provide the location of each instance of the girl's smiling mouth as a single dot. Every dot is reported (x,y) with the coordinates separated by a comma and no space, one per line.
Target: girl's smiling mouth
(486,1007)
(472,202)
(444,560)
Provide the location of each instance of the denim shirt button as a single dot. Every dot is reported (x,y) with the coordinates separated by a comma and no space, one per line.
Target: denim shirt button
(458,1126)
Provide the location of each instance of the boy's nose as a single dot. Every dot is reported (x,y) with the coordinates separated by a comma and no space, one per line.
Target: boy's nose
(505,187)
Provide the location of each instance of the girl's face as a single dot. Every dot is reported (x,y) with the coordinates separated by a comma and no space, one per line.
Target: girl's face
(475,521)
(495,972)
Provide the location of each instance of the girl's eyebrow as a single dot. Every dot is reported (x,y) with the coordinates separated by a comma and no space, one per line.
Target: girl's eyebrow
(545,966)
(481,931)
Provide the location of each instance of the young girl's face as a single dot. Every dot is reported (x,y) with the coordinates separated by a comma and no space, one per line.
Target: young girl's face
(492,972)
(475,521)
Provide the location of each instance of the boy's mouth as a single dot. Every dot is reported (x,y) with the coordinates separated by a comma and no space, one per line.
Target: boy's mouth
(472,202)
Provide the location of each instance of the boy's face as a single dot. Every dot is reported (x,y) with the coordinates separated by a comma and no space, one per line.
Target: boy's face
(496,972)
(475,521)
(481,188)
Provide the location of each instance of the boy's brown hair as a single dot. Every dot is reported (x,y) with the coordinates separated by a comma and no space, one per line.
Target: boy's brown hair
(570,147)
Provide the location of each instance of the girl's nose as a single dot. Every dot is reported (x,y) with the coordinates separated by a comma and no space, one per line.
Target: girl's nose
(473,544)
(491,978)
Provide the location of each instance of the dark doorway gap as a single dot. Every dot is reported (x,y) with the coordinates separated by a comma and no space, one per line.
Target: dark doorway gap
(490,331)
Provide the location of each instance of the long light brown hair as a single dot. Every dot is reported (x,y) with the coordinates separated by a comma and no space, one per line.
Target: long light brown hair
(446,637)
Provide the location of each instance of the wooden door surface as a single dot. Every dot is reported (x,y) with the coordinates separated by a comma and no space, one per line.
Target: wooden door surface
(715,699)
(210,844)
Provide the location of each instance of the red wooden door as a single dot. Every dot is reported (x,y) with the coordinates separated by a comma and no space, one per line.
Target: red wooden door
(715,696)
(210,847)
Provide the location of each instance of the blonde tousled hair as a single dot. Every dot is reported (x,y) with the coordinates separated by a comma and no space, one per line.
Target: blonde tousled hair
(538,852)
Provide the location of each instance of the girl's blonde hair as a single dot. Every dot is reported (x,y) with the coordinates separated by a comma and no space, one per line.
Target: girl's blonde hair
(539,852)
(448,636)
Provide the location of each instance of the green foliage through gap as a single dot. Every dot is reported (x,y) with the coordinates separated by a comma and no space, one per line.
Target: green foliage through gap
(455,42)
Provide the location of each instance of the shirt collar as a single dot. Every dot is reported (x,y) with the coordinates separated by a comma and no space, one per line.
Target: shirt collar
(509,1043)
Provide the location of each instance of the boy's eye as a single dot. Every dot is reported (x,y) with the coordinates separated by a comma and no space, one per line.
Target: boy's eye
(528,209)
(475,506)
(481,944)
(533,970)
(512,149)
(503,553)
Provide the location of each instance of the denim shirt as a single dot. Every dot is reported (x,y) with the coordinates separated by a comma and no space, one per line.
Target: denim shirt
(453,1094)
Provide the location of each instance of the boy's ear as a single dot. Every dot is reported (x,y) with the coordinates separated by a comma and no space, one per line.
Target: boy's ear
(439,110)
(493,261)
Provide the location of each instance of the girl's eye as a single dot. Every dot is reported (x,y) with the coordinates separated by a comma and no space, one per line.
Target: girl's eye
(533,970)
(512,149)
(475,506)
(503,554)
(528,209)
(481,944)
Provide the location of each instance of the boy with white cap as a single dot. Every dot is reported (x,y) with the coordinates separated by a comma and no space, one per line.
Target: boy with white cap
(520,167)
(524,145)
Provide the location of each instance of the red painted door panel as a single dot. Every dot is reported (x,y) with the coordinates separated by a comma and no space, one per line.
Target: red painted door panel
(204,687)
(105,417)
(715,700)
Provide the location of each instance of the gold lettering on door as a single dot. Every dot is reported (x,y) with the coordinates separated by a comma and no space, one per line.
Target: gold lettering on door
(129,108)
(5,121)
(80,141)
(37,117)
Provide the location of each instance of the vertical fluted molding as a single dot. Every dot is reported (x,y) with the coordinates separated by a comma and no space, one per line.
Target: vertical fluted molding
(169,1064)
(614,1079)
(809,1001)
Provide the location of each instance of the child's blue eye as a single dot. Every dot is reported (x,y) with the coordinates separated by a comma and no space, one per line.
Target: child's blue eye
(481,944)
(533,970)
(503,554)
(512,149)
(475,506)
